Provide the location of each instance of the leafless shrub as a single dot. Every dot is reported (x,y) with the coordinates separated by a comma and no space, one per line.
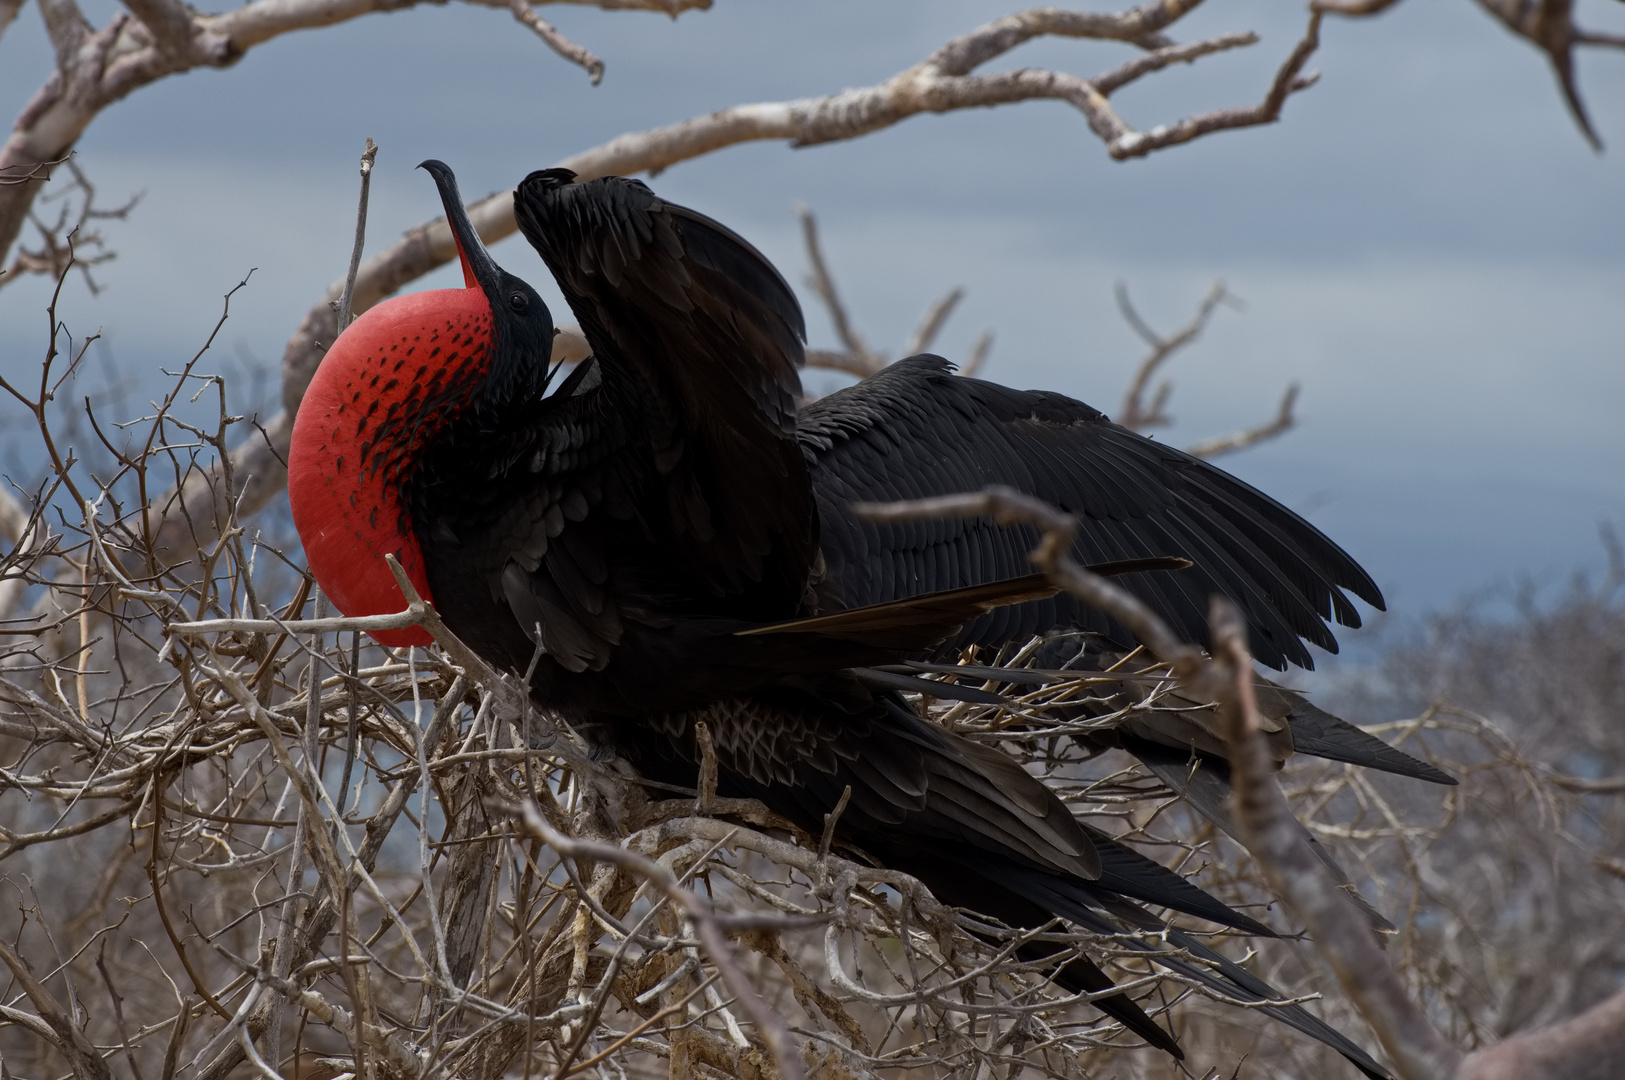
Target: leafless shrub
(1522,889)
(67,232)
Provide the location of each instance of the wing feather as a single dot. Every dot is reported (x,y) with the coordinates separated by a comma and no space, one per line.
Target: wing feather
(916,430)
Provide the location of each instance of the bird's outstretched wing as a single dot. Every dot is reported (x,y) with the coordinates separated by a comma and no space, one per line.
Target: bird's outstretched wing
(917,430)
(699,338)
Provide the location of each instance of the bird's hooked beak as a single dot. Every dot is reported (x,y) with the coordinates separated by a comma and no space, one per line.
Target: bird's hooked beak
(479,269)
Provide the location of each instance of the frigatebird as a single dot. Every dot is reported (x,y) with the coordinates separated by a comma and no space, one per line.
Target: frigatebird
(639,534)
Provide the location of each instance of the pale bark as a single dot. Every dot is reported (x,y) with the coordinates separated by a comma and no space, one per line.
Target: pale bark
(95,68)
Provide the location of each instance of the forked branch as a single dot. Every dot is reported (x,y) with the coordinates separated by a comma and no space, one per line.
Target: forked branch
(1135,414)
(855,357)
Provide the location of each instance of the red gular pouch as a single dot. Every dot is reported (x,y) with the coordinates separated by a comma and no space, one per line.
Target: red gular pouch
(391,382)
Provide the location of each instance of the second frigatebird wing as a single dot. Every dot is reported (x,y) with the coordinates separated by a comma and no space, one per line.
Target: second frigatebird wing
(916,430)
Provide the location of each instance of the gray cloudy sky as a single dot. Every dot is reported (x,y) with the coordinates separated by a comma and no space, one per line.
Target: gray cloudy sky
(1425,243)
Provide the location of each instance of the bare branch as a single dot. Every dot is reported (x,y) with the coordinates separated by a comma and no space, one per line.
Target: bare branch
(1340,932)
(1353,8)
(938,84)
(558,42)
(1135,415)
(1140,26)
(1240,440)
(858,358)
(1607,785)
(1616,556)
(170,24)
(1548,25)
(931,325)
(67,27)
(97,68)
(82,1055)
(978,354)
(1295,873)
(1124,142)
(368,156)
(8,12)
(771,1025)
(70,239)
(1584,1047)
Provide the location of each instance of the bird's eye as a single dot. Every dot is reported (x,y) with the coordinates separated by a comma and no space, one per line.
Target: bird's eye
(519,302)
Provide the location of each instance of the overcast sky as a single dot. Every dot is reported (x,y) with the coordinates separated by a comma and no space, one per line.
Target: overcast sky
(1425,243)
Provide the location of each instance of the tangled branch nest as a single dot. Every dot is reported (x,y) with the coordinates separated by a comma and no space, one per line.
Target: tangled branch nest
(237,837)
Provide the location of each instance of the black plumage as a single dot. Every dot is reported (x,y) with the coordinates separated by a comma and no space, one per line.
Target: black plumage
(637,536)
(916,430)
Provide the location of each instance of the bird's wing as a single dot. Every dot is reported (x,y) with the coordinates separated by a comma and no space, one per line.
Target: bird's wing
(530,555)
(916,430)
(911,782)
(914,622)
(700,338)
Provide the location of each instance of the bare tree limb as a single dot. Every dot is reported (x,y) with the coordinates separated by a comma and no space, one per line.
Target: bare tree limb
(71,238)
(1584,1047)
(931,325)
(67,27)
(858,358)
(1353,8)
(775,1032)
(1135,414)
(978,353)
(1240,440)
(556,41)
(170,24)
(368,156)
(1340,932)
(1548,25)
(1006,506)
(165,37)
(8,12)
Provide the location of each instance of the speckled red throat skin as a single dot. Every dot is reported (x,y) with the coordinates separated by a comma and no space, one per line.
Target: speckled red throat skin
(391,382)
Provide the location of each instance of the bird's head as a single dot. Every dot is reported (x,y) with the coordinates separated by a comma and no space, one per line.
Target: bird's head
(395,380)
